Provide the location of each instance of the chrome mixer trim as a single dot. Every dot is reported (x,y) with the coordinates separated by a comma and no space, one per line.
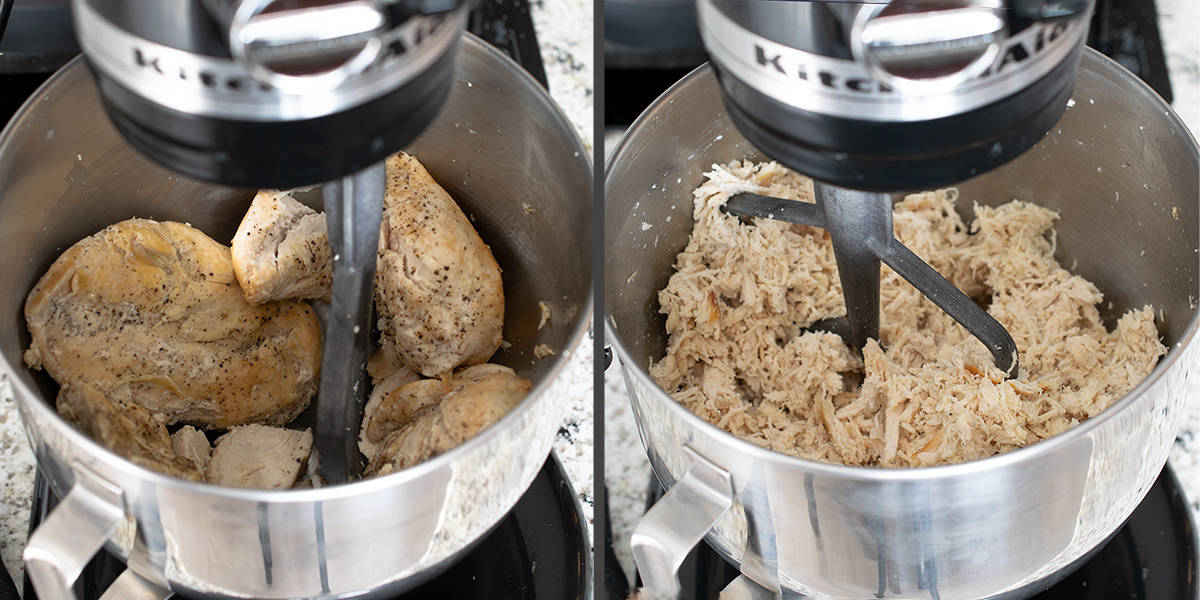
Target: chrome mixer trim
(303,30)
(848,89)
(221,87)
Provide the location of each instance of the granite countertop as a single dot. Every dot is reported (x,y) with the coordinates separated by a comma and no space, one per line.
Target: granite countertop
(567,53)
(627,472)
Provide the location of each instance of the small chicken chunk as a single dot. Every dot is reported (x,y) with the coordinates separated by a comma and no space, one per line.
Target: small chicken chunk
(192,445)
(397,409)
(383,388)
(437,286)
(281,250)
(259,457)
(155,307)
(123,427)
(409,428)
(384,362)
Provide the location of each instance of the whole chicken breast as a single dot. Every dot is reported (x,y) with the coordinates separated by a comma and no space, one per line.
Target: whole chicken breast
(437,286)
(155,308)
(281,250)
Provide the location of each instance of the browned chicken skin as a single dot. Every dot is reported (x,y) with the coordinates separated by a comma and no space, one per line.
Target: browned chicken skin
(155,308)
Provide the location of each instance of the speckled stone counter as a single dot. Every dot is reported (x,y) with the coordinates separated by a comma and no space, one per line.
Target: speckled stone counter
(564,30)
(16,481)
(627,471)
(566,48)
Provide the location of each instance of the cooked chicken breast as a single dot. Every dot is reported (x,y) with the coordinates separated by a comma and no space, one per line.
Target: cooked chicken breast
(155,307)
(122,426)
(260,457)
(399,408)
(382,389)
(437,286)
(384,363)
(281,250)
(438,289)
(410,428)
(192,445)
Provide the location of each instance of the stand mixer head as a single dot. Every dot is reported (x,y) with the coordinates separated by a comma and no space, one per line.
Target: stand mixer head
(870,98)
(280,94)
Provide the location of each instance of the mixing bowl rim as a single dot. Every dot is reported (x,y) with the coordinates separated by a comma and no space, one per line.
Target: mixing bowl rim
(892,474)
(351,489)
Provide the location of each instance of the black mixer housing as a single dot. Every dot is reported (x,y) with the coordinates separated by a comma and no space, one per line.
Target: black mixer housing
(794,86)
(157,64)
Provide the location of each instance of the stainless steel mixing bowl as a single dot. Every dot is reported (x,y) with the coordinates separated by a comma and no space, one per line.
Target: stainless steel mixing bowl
(499,143)
(1123,171)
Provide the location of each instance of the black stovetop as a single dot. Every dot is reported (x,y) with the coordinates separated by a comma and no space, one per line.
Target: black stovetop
(1153,556)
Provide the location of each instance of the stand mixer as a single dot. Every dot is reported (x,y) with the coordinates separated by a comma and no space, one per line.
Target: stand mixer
(67,172)
(280,94)
(870,98)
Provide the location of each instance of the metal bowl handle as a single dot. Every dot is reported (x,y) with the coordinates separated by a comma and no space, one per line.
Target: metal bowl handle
(73,533)
(131,586)
(677,522)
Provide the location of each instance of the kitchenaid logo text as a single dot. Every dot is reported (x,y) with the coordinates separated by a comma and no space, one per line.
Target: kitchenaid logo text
(409,37)
(227,76)
(848,76)
(225,79)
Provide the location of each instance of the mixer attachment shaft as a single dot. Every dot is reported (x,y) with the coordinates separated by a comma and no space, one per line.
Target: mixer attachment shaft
(353,209)
(860,227)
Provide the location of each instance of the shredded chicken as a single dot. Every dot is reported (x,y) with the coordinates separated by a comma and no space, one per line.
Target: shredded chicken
(927,392)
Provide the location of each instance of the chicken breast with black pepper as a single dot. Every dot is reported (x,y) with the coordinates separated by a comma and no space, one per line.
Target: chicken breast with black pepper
(428,417)
(437,286)
(438,289)
(281,250)
(155,308)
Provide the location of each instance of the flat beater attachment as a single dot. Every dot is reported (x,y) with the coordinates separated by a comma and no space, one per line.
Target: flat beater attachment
(353,211)
(860,227)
